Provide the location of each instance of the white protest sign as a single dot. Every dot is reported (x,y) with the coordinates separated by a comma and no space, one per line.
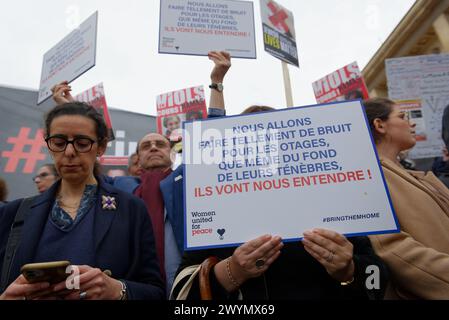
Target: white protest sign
(195,27)
(424,78)
(283,173)
(70,58)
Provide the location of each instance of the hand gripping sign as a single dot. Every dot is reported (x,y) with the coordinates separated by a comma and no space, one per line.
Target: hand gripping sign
(283,173)
(197,27)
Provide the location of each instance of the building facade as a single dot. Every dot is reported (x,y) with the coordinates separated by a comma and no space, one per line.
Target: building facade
(423,30)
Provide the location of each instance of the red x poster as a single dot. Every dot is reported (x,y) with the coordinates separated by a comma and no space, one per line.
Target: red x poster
(177,106)
(279,32)
(344,84)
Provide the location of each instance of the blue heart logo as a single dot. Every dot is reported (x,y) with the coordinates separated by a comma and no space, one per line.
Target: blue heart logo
(221,232)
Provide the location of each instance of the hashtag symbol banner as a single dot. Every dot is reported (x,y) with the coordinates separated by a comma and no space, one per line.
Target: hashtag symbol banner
(19,152)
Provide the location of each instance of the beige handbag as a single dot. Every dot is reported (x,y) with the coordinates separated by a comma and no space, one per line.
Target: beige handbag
(191,271)
(200,270)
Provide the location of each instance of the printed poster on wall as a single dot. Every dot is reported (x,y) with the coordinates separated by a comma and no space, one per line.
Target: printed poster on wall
(414,111)
(197,27)
(424,79)
(70,58)
(283,173)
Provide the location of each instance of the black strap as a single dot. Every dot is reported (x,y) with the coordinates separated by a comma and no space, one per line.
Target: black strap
(14,240)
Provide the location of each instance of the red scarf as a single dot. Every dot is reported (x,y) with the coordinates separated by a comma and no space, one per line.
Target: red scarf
(149,191)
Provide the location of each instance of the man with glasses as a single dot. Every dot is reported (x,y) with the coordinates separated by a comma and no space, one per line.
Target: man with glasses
(45,177)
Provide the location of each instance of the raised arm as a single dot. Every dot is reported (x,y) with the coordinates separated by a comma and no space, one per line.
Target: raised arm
(222,63)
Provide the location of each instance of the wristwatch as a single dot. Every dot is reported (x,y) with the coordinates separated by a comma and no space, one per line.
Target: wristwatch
(217,86)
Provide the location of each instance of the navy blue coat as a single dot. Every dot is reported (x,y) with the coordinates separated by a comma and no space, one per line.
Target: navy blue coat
(124,241)
(172,189)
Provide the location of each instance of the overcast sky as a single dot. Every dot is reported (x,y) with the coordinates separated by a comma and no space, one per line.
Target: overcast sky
(330,34)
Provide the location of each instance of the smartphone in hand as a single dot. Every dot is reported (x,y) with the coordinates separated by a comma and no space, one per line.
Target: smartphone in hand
(52,272)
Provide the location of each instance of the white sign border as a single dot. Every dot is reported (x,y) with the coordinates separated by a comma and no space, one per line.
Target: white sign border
(234,245)
(84,71)
(205,55)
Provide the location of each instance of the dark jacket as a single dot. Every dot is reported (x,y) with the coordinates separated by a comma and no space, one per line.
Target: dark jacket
(172,189)
(124,240)
(441,169)
(296,275)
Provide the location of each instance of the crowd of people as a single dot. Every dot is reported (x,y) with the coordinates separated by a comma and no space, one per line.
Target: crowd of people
(125,234)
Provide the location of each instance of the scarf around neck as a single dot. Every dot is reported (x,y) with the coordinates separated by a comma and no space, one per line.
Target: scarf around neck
(149,191)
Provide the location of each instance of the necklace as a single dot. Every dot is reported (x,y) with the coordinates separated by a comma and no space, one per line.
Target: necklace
(71,209)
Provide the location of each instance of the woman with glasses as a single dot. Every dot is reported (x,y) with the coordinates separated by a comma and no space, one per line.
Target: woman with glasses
(45,177)
(418,256)
(106,234)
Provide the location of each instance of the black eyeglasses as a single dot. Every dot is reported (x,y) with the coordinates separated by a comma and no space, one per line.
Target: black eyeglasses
(59,144)
(41,176)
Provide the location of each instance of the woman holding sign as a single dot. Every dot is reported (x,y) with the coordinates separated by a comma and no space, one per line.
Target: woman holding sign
(418,257)
(104,233)
(325,265)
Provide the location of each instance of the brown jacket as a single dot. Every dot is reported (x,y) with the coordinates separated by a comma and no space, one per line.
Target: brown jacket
(418,257)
